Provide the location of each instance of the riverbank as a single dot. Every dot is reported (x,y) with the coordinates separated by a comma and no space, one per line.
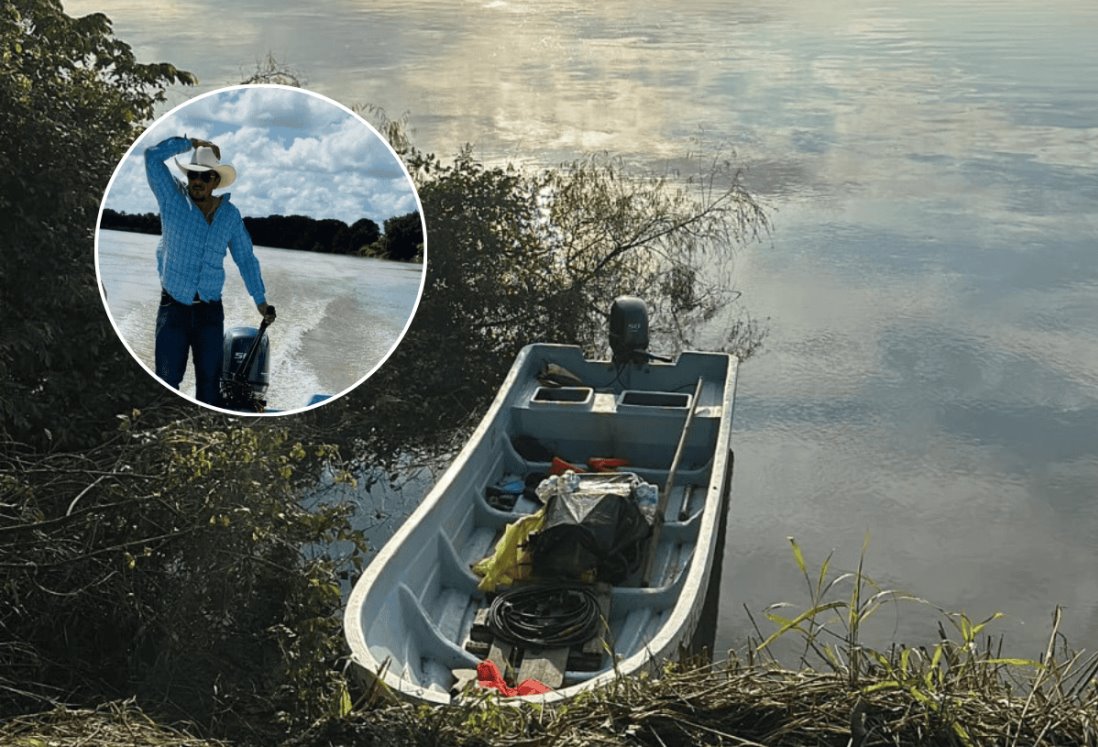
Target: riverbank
(187,589)
(956,694)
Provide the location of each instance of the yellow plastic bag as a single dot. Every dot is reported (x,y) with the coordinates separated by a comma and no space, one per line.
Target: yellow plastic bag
(511,561)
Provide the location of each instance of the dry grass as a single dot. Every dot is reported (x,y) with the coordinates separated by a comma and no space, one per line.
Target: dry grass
(953,694)
(958,692)
(961,691)
(119,724)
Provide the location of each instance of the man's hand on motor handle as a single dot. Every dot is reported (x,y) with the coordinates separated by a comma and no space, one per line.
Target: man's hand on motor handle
(267,311)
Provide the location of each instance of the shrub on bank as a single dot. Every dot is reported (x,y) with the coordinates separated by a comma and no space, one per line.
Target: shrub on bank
(176,564)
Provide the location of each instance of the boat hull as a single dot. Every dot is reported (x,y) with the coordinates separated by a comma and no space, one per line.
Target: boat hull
(410,614)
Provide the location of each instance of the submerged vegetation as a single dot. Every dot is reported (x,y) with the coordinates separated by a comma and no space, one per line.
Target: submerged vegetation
(163,582)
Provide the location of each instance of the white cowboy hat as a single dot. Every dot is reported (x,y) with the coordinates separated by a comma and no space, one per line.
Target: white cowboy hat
(203,159)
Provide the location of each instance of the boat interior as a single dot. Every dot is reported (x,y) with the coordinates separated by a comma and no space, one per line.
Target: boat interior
(424,603)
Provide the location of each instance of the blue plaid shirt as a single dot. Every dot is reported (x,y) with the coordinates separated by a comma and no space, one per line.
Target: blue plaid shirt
(191,254)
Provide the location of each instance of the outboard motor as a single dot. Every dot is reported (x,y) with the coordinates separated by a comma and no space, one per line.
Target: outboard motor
(629,330)
(245,369)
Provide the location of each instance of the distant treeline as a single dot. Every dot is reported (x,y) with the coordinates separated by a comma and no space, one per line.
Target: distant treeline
(402,238)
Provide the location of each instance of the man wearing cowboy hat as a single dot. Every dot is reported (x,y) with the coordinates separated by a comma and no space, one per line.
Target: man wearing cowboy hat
(196,228)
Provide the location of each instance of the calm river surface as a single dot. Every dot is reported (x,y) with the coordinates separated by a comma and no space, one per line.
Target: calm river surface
(931,283)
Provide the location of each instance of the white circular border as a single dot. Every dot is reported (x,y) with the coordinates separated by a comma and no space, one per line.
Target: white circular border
(103,290)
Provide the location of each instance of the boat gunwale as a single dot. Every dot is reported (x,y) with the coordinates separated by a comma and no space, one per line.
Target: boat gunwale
(681,618)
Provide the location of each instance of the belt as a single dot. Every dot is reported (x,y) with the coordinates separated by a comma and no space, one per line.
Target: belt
(166,297)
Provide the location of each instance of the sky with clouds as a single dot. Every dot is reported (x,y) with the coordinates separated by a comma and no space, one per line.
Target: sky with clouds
(295,153)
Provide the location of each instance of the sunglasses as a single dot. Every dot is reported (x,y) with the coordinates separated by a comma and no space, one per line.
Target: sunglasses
(204,176)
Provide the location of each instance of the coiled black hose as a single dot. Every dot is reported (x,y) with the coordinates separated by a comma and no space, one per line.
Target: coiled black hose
(545,615)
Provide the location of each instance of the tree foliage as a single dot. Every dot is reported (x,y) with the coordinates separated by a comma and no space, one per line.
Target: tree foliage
(72,99)
(403,240)
(327,236)
(272,70)
(113,220)
(360,235)
(517,257)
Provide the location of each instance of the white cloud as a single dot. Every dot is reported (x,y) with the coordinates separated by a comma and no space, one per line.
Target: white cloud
(295,153)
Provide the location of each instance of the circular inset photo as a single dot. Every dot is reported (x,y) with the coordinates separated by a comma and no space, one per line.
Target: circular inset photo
(261,249)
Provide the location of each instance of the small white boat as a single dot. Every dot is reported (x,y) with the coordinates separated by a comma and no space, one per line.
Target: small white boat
(415,617)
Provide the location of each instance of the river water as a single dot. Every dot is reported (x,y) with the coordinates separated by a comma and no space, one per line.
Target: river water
(339,317)
(931,282)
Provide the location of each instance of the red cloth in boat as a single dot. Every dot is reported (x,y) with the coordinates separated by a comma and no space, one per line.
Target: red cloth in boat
(488,675)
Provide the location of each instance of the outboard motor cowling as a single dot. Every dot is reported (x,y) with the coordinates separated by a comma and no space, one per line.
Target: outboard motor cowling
(245,388)
(629,330)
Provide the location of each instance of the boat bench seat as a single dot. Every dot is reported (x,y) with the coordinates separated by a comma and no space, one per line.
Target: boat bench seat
(614,425)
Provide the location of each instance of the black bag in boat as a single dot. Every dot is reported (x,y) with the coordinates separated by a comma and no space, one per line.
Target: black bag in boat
(584,532)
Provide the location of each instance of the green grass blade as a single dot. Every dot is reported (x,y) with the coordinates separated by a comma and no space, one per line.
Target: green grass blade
(886,685)
(791,624)
(933,673)
(1016,662)
(981,625)
(798,555)
(823,575)
(962,734)
(837,580)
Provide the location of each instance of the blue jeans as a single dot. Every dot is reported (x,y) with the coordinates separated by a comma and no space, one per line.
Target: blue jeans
(196,327)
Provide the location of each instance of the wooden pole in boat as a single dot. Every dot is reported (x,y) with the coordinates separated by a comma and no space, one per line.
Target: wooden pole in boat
(665,496)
